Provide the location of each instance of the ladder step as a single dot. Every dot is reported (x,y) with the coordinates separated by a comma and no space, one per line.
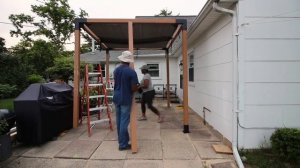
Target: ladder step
(100,96)
(96,84)
(96,96)
(99,121)
(109,88)
(98,108)
(94,73)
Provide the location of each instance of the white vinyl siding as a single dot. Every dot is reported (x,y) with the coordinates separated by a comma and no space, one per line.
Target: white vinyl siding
(269,47)
(212,86)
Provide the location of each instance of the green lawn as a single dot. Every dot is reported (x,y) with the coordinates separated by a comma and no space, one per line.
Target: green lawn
(7,104)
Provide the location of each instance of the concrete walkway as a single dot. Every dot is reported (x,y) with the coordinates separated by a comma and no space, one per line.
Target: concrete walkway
(160,145)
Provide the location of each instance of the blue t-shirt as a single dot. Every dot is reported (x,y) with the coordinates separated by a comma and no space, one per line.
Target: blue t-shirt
(124,78)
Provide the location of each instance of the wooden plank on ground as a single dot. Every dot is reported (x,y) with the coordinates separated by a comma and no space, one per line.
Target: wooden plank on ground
(222,149)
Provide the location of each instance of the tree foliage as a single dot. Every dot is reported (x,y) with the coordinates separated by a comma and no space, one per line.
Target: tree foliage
(13,72)
(25,60)
(36,56)
(3,127)
(33,59)
(34,78)
(55,21)
(7,91)
(165,12)
(41,56)
(63,68)
(2,45)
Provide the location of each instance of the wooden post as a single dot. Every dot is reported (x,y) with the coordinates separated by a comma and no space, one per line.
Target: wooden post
(168,78)
(76,76)
(107,67)
(185,82)
(133,122)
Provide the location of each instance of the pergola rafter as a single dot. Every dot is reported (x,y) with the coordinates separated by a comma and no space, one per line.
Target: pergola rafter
(133,34)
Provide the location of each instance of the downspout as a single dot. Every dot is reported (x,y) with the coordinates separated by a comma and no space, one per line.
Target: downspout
(232,13)
(93,45)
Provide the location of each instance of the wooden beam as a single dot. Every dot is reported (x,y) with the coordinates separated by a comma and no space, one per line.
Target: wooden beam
(130,37)
(185,82)
(168,78)
(155,20)
(150,49)
(175,34)
(137,20)
(107,66)
(95,20)
(133,122)
(76,79)
(91,33)
(122,49)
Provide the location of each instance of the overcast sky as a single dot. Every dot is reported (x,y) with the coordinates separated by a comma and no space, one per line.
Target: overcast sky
(100,9)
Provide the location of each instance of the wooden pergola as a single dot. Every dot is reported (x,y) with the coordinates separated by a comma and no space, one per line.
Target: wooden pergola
(133,34)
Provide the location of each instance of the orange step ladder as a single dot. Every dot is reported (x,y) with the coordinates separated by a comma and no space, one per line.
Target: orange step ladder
(100,93)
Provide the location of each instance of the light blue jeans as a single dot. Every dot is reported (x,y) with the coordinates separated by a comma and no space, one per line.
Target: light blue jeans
(123,119)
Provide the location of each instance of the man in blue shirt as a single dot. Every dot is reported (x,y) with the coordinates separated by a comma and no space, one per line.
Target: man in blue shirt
(126,83)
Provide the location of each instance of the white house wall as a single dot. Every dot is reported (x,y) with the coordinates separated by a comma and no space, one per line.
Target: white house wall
(161,60)
(269,47)
(213,70)
(162,79)
(112,67)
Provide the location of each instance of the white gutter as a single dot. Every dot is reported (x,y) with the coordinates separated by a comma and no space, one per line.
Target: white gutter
(235,81)
(222,10)
(197,21)
(201,16)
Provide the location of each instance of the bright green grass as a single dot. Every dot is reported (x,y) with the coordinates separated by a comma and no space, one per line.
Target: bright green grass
(7,104)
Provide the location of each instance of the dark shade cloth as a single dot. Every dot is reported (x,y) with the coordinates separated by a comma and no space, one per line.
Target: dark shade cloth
(43,111)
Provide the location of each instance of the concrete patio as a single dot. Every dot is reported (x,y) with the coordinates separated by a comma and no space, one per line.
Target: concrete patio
(160,145)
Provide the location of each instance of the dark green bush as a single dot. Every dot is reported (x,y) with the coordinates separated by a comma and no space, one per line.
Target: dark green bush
(34,78)
(7,91)
(3,127)
(286,142)
(93,101)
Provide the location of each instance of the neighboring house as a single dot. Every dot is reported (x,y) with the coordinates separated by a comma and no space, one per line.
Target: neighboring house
(96,57)
(245,68)
(154,59)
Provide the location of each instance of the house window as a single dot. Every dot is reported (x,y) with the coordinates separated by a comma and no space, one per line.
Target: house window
(181,74)
(181,81)
(153,70)
(191,67)
(103,70)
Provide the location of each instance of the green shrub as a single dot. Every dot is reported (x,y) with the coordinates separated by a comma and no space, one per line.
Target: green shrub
(93,101)
(34,78)
(7,91)
(7,104)
(286,142)
(3,127)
